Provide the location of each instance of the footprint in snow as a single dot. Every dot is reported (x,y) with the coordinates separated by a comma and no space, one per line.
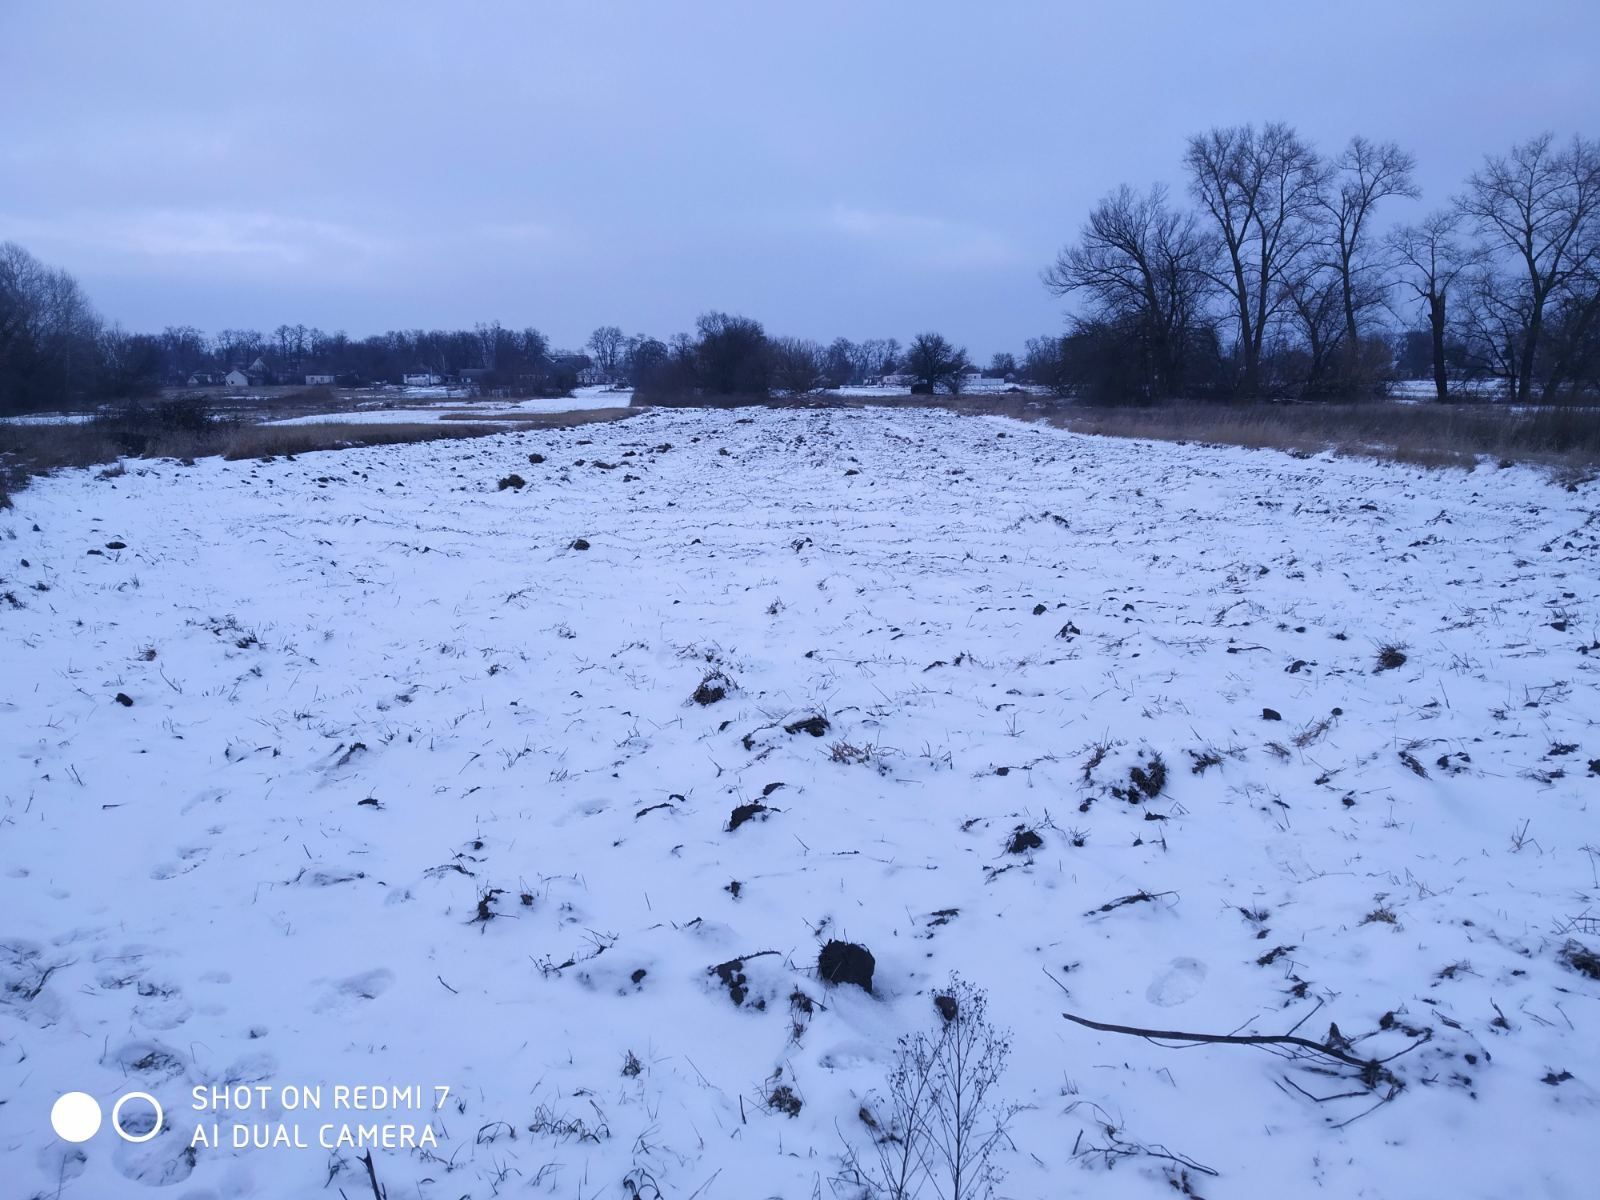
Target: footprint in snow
(189,857)
(1181,981)
(368,985)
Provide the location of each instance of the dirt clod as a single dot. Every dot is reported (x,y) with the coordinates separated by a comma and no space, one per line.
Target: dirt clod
(1023,840)
(846,962)
(746,812)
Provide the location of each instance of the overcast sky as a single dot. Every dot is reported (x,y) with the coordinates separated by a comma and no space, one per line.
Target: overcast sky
(864,169)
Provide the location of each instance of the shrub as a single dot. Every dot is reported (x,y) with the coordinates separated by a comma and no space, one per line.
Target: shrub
(939,1125)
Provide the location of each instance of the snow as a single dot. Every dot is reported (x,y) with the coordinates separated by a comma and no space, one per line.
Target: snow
(373,695)
(969,387)
(49,419)
(485,411)
(1425,389)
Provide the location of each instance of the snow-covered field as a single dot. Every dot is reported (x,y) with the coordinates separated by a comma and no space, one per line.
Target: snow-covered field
(410,789)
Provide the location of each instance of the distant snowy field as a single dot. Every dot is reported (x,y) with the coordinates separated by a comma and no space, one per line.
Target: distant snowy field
(487,411)
(412,791)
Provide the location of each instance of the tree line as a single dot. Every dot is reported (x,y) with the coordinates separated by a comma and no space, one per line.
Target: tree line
(1276,280)
(56,352)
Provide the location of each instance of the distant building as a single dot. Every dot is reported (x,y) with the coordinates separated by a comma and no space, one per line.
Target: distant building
(206,379)
(236,378)
(319,380)
(421,379)
(592,377)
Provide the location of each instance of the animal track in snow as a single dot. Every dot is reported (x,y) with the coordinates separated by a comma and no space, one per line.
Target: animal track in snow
(1180,982)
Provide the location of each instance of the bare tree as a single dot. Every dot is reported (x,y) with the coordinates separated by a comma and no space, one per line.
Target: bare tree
(1432,259)
(183,351)
(839,362)
(797,365)
(1537,209)
(731,357)
(1312,300)
(48,333)
(1042,363)
(935,362)
(874,357)
(1364,174)
(1261,191)
(608,343)
(1495,318)
(1145,268)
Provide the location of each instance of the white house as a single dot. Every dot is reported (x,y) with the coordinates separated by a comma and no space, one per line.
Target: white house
(236,378)
(319,380)
(422,379)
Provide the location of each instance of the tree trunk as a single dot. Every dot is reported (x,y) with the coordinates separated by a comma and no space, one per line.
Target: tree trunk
(1349,300)
(1441,384)
(1530,344)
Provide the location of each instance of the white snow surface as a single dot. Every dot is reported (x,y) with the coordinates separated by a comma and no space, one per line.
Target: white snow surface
(486,411)
(371,690)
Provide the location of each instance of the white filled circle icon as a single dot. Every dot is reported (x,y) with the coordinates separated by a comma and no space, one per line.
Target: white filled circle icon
(75,1117)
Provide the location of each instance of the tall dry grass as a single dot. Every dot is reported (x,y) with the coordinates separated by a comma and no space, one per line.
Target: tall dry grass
(1422,434)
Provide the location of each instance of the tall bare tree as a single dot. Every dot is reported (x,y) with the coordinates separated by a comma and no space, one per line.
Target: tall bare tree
(1432,258)
(1363,174)
(1261,190)
(1537,209)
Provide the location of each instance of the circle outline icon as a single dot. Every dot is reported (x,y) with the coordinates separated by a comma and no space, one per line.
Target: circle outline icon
(116,1117)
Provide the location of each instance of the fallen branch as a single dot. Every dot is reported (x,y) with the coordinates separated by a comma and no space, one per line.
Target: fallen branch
(1120,1147)
(1230,1039)
(1371,1071)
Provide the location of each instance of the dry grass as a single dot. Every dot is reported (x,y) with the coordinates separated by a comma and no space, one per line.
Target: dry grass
(258,441)
(1420,434)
